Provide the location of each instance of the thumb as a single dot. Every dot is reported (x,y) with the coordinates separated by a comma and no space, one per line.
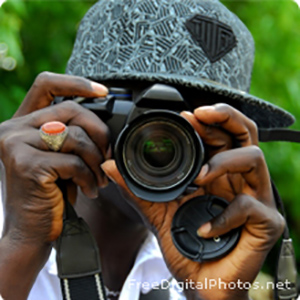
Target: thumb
(110,169)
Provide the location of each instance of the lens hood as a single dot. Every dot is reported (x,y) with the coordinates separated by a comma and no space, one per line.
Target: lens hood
(159,154)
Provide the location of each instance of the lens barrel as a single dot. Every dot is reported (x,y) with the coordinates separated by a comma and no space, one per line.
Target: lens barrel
(159,154)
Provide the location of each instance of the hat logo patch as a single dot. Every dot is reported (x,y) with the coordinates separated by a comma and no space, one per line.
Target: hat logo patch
(214,37)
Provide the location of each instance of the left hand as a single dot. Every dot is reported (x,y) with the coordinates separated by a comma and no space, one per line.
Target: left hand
(240,176)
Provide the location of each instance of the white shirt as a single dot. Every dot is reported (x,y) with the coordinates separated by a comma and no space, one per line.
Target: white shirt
(149,270)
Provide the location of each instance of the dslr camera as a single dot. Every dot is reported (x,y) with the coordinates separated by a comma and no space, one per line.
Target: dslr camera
(157,151)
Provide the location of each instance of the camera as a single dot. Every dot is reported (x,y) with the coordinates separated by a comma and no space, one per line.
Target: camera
(157,151)
(159,154)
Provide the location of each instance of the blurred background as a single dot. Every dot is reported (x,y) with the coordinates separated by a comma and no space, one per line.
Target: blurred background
(38,35)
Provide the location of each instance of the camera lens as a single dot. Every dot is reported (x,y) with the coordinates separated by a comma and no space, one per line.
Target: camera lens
(158,151)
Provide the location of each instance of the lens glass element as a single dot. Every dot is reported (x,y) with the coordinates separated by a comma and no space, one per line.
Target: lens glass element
(159,153)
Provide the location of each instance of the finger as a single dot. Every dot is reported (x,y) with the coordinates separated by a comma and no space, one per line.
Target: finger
(247,161)
(54,165)
(77,142)
(72,113)
(230,119)
(228,186)
(210,135)
(71,189)
(49,85)
(110,169)
(146,209)
(244,209)
(45,167)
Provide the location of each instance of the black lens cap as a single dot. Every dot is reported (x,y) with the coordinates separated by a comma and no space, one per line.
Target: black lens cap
(189,217)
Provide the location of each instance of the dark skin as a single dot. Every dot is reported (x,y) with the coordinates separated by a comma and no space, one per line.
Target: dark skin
(34,206)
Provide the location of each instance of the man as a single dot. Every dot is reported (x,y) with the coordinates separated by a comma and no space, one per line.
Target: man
(204,51)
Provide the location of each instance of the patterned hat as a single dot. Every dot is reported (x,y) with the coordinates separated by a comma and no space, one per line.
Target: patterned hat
(192,43)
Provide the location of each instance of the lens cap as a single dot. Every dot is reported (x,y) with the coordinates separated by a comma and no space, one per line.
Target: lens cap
(189,217)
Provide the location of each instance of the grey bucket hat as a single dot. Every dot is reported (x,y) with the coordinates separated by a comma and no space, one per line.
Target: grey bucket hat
(193,43)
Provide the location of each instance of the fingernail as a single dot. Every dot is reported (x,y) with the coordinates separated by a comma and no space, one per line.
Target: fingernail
(206,107)
(203,171)
(188,112)
(204,229)
(101,89)
(103,166)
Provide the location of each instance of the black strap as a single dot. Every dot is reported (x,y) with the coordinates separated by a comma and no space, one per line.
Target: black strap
(278,134)
(286,270)
(286,274)
(280,207)
(88,287)
(78,258)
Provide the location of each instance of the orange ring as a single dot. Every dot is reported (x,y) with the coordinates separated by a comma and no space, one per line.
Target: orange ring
(54,134)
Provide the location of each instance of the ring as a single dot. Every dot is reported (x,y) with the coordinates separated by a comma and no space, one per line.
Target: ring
(54,134)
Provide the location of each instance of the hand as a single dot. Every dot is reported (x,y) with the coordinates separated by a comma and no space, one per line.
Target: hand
(33,203)
(48,85)
(240,176)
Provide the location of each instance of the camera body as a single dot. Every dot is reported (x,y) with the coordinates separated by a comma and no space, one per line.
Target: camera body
(157,151)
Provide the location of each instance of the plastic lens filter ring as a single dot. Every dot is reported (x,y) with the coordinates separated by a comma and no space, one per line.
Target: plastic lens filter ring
(189,217)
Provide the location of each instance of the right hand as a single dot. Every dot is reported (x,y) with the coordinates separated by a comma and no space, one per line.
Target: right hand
(33,203)
(239,175)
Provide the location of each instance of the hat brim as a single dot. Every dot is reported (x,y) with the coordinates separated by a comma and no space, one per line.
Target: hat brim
(263,113)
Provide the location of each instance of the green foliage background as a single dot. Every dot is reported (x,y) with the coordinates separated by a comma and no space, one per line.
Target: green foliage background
(40,35)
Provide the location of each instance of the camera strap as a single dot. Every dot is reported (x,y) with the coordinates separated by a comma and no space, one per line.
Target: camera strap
(278,134)
(285,280)
(78,258)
